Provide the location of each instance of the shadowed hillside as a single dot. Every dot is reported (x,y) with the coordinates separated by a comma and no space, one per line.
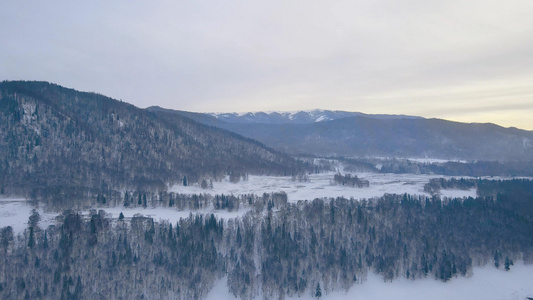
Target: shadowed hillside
(55,140)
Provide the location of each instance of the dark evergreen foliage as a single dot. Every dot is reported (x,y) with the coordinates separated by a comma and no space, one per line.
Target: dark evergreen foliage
(349,180)
(58,143)
(276,249)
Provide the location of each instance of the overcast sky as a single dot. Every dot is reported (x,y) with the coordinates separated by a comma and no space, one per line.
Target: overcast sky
(468,61)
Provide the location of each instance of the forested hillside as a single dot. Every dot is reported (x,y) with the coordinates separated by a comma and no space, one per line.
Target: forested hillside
(276,249)
(58,142)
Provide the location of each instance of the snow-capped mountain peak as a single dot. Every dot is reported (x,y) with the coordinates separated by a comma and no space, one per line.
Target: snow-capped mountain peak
(295,117)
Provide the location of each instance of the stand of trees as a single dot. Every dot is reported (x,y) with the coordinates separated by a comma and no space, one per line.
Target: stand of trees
(350,181)
(450,168)
(436,184)
(276,249)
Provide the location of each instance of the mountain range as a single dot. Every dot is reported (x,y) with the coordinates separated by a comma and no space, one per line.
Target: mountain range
(338,133)
(298,117)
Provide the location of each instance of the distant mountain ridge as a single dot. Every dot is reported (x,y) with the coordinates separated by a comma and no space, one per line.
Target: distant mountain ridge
(55,138)
(378,135)
(298,117)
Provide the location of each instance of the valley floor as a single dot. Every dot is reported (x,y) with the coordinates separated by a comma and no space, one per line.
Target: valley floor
(485,283)
(15,212)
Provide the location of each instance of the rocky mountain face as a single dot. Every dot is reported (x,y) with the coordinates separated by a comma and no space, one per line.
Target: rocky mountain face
(381,135)
(54,140)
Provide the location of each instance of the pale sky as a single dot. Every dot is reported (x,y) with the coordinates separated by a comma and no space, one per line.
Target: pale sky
(469,61)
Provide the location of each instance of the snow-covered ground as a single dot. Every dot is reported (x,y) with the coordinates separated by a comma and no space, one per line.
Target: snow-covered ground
(171,215)
(435,160)
(487,283)
(15,212)
(320,186)
(425,160)
(458,193)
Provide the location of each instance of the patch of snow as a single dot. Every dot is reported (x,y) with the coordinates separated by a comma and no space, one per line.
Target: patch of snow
(526,143)
(427,160)
(487,283)
(170,214)
(13,200)
(15,213)
(321,118)
(452,193)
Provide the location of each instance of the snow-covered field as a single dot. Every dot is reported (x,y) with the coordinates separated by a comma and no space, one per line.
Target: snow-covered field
(170,214)
(320,186)
(425,160)
(435,160)
(459,193)
(487,283)
(15,212)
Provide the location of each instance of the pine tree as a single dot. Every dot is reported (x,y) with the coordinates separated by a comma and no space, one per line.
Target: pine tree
(318,292)
(31,239)
(508,263)
(496,259)
(45,240)
(126,199)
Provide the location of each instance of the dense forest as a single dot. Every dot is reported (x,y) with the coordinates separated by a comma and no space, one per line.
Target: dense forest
(276,249)
(448,168)
(58,142)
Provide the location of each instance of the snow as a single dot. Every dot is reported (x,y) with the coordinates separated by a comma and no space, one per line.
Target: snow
(526,143)
(316,114)
(448,193)
(321,186)
(169,214)
(435,160)
(487,283)
(15,213)
(321,118)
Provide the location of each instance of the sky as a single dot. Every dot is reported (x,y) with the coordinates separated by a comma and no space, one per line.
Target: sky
(469,61)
